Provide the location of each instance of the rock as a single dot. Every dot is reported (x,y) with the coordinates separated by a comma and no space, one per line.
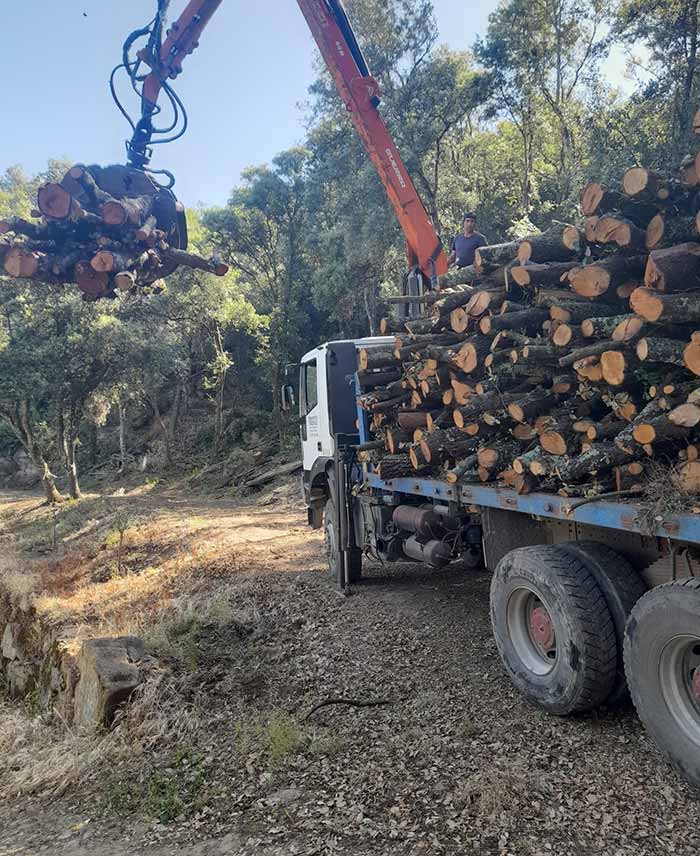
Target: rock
(284,797)
(25,473)
(10,646)
(21,678)
(108,676)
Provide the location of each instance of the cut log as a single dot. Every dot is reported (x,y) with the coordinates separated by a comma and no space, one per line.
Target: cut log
(570,312)
(600,456)
(686,415)
(535,402)
(89,281)
(616,229)
(616,366)
(458,276)
(670,230)
(134,210)
(541,275)
(602,277)
(658,350)
(594,350)
(465,469)
(530,320)
(410,420)
(125,280)
(674,269)
(376,358)
(445,444)
(691,355)
(54,202)
(394,467)
(213,265)
(558,243)
(370,380)
(658,428)
(657,306)
(567,335)
(387,326)
(603,327)
(596,197)
(629,328)
(642,183)
(687,478)
(493,256)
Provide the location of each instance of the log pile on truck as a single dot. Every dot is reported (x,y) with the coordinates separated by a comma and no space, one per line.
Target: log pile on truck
(105,229)
(562,362)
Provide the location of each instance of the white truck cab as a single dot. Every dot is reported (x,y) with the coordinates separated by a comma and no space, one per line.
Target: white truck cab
(327,408)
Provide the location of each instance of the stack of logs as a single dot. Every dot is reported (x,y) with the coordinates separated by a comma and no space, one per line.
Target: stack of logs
(119,239)
(561,362)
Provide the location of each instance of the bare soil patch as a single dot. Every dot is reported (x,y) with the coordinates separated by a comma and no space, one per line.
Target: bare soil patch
(235,600)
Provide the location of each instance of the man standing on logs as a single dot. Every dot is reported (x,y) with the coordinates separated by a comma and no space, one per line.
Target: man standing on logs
(466,243)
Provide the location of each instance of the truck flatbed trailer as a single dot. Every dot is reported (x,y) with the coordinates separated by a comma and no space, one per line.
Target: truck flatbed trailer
(593,600)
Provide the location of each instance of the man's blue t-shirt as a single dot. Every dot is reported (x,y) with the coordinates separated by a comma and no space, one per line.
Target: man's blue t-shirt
(465,247)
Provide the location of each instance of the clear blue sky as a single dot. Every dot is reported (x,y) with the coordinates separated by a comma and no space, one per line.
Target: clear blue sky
(242,87)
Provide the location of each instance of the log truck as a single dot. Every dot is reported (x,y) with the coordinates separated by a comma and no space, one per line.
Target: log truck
(587,604)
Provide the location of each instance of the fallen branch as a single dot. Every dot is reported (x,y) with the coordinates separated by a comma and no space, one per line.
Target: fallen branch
(351,703)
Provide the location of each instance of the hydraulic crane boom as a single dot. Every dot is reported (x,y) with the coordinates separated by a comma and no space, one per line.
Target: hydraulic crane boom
(333,34)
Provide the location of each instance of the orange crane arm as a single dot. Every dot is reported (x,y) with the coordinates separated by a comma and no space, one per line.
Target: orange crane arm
(333,34)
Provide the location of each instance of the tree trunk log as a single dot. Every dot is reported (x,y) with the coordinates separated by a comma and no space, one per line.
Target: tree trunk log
(559,243)
(674,269)
(656,306)
(603,277)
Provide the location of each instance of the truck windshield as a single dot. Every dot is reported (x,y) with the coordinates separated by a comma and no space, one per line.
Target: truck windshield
(309,387)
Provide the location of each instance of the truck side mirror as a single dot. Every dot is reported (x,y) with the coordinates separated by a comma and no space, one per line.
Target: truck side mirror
(287,400)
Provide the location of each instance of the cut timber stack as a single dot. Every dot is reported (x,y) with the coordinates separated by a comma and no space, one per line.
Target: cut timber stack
(561,362)
(106,229)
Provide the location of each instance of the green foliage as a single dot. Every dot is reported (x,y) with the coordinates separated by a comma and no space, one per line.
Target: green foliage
(512,128)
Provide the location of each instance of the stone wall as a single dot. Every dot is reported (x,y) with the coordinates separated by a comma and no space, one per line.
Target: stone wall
(84,681)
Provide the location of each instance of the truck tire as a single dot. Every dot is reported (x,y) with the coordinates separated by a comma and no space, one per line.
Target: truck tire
(330,540)
(622,587)
(662,659)
(553,629)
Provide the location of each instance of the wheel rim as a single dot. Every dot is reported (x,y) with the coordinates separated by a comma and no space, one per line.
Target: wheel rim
(532,630)
(330,545)
(679,679)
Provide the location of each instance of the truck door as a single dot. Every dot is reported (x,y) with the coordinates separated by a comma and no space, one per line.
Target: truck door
(313,404)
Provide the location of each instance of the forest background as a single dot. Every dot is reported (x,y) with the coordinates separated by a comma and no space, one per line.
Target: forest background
(512,128)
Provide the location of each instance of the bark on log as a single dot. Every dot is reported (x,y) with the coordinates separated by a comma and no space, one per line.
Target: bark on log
(658,350)
(674,269)
(532,404)
(589,351)
(599,457)
(180,257)
(659,428)
(541,275)
(376,358)
(493,256)
(559,243)
(394,467)
(570,312)
(603,327)
(134,210)
(530,320)
(459,276)
(670,230)
(596,197)
(656,306)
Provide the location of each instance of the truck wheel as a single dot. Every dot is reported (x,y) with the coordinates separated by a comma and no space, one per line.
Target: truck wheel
(622,587)
(330,538)
(662,658)
(553,629)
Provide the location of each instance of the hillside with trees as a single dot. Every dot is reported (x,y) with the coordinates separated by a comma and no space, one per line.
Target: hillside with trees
(512,126)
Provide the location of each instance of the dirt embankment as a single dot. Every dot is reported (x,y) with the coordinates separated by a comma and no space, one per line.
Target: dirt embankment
(217,754)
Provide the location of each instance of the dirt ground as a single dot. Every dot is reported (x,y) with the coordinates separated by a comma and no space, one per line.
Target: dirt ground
(251,637)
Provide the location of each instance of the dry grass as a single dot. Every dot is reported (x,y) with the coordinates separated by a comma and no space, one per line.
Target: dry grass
(37,756)
(662,498)
(17,578)
(498,795)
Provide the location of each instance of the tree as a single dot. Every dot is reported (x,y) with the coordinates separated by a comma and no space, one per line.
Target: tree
(670,33)
(262,234)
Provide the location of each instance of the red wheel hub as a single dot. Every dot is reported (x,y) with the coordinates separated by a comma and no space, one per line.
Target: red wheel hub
(696,683)
(542,628)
